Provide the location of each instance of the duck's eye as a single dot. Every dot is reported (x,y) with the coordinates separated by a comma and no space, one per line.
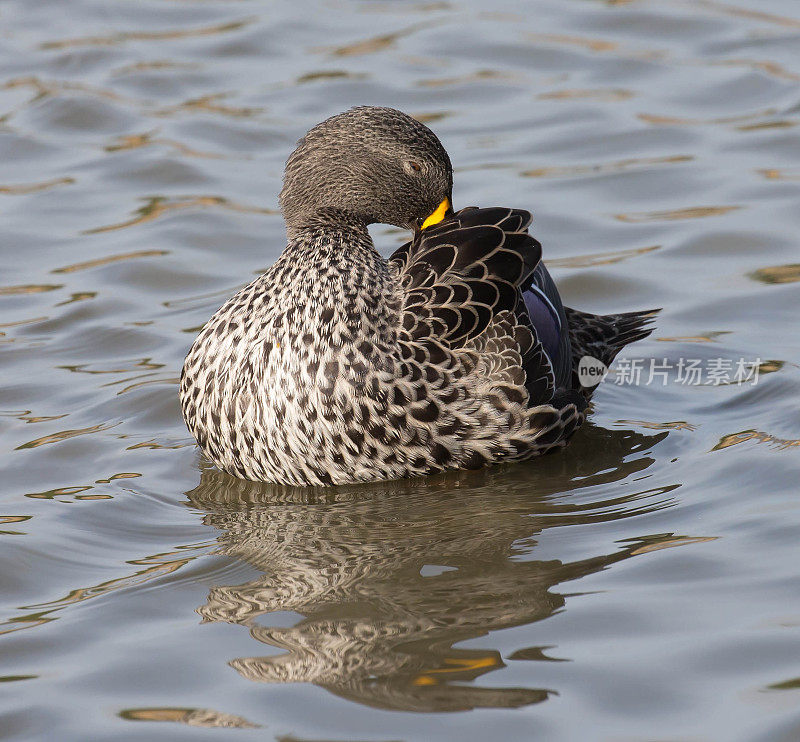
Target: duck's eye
(412,167)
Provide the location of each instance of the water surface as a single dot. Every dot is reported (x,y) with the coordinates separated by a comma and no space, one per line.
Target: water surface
(643,584)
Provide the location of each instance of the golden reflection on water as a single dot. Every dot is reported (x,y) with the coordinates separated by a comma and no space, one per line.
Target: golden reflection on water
(670,543)
(77,296)
(155,566)
(600,258)
(605,167)
(601,94)
(31,288)
(14,518)
(21,322)
(120,475)
(778,274)
(756,15)
(780,174)
(595,45)
(770,68)
(709,337)
(190,716)
(409,8)
(757,436)
(601,46)
(15,678)
(156,64)
(766,67)
(172,380)
(477,76)
(5,519)
(781,124)
(41,418)
(673,425)
(84,368)
(157,206)
(87,264)
(428,116)
(649,118)
(26,188)
(123,37)
(695,212)
(53,88)
(793,684)
(330,75)
(28,416)
(156,445)
(135,141)
(371,45)
(389,578)
(63,435)
(210,104)
(58,492)
(75,493)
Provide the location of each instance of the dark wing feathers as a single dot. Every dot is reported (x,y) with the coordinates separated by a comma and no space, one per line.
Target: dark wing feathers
(470,273)
(509,220)
(562,358)
(604,335)
(460,275)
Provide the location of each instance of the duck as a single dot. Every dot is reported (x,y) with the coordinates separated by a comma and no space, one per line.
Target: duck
(339,366)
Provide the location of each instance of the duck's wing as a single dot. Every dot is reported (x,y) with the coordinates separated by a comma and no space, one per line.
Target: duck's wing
(548,316)
(462,282)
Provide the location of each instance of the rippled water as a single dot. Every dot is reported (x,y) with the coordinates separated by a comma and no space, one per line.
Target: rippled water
(641,585)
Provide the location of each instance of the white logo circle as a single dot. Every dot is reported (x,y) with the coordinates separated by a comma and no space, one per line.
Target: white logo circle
(591,371)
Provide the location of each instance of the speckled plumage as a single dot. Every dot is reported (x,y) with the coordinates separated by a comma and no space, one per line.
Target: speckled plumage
(338,366)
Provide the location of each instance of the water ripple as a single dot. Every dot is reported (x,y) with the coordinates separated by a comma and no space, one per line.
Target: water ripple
(122,37)
(142,148)
(158,206)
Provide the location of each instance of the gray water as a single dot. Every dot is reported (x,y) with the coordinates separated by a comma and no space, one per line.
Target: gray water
(641,585)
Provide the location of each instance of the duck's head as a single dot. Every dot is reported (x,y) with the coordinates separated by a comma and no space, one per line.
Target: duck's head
(375,164)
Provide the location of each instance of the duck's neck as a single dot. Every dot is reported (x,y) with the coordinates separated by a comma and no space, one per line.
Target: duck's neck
(333,259)
(343,224)
(333,282)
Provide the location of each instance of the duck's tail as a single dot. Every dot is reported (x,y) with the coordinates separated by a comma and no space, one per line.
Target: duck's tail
(603,336)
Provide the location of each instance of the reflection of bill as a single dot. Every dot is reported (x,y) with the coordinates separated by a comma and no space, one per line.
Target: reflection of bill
(387,578)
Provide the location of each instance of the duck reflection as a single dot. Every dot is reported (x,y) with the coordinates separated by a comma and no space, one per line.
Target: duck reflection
(388,577)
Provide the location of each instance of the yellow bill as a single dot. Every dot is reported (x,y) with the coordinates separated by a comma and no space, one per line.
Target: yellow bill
(438,215)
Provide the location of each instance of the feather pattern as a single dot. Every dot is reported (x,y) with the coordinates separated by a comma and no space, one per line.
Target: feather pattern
(338,366)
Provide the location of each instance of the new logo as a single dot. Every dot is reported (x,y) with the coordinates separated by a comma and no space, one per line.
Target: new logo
(591,371)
